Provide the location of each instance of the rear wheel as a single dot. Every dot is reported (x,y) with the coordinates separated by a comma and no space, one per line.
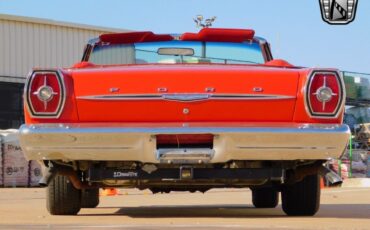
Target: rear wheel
(302,198)
(90,198)
(62,198)
(265,197)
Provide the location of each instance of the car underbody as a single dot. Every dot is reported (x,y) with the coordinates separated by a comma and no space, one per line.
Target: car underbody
(177,157)
(185,177)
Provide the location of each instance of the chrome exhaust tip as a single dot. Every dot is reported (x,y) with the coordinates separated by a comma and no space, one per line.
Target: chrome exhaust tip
(333,178)
(48,175)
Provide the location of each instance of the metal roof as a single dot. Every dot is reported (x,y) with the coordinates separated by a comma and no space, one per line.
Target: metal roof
(27,42)
(59,23)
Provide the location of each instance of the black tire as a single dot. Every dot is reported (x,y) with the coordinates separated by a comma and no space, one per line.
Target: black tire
(265,197)
(62,198)
(90,198)
(302,198)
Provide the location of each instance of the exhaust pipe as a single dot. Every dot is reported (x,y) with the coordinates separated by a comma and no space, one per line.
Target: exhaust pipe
(50,172)
(330,175)
(73,178)
(48,175)
(304,171)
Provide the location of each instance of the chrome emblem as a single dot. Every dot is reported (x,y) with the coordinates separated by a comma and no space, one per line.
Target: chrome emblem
(258,89)
(185,97)
(210,89)
(338,12)
(113,90)
(162,90)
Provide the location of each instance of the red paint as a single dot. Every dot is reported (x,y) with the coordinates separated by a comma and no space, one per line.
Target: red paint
(219,35)
(132,37)
(278,63)
(184,139)
(205,34)
(185,79)
(83,64)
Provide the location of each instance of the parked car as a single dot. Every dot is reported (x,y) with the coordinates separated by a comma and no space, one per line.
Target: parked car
(187,112)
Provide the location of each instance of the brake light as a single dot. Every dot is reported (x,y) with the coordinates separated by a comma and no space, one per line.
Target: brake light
(324,94)
(45,94)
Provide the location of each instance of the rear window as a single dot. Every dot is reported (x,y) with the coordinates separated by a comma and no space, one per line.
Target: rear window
(202,52)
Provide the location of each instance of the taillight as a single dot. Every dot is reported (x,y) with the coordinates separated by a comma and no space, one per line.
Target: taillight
(325,94)
(45,94)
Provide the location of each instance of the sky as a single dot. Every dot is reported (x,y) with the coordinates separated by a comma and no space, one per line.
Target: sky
(294,28)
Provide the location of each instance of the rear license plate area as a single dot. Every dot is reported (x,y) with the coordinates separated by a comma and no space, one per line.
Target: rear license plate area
(184,148)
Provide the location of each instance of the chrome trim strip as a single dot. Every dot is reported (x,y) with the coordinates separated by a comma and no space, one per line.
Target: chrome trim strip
(86,147)
(114,97)
(185,97)
(251,97)
(286,147)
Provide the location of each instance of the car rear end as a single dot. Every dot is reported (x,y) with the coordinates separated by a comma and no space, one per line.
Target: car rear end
(186,127)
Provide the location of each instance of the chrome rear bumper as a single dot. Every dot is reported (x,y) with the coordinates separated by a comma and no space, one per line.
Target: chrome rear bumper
(137,142)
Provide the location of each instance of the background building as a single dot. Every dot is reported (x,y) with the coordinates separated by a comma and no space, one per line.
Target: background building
(31,42)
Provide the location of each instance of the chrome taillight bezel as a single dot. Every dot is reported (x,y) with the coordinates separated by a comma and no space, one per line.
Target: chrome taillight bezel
(27,95)
(341,100)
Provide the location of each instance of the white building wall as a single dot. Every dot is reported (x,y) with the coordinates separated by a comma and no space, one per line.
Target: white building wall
(29,42)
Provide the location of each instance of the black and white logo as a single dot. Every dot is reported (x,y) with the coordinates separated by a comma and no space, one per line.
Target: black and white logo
(338,12)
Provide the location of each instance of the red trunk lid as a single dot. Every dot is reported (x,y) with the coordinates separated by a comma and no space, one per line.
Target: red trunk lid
(177,93)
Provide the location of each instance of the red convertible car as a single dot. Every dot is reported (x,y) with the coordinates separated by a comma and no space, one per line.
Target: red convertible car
(187,112)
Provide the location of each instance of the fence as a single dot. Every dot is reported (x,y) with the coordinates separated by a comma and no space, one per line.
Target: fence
(357,88)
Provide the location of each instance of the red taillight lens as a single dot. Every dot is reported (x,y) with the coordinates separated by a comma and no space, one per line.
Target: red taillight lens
(324,94)
(45,94)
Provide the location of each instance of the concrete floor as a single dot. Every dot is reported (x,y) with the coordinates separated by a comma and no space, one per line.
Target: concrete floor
(341,208)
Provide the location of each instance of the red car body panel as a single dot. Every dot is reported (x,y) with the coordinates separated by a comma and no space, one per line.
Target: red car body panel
(185,79)
(146,80)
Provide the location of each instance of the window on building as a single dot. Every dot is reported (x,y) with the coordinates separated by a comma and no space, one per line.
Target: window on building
(11,105)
